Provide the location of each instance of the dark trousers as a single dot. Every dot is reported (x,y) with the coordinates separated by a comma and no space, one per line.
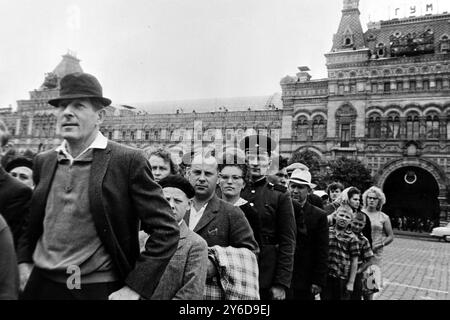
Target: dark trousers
(335,290)
(265,294)
(40,287)
(357,288)
(301,294)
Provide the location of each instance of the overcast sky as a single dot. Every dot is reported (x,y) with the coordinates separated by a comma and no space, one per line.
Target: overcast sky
(151,50)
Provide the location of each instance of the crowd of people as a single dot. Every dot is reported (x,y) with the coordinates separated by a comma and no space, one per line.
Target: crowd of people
(93,219)
(413,224)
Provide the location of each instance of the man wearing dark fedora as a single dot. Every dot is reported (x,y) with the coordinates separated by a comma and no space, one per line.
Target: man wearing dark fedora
(274,207)
(91,198)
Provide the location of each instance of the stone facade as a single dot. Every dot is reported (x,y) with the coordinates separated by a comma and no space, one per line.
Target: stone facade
(386,100)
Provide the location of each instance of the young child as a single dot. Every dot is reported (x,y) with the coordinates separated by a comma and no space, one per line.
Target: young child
(366,256)
(342,257)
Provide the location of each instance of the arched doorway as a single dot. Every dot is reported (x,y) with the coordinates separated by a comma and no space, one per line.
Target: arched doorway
(412,192)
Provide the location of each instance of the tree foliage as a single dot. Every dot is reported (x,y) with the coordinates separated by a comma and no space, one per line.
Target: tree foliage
(350,172)
(307,157)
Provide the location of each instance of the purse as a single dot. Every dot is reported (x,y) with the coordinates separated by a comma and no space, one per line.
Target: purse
(370,281)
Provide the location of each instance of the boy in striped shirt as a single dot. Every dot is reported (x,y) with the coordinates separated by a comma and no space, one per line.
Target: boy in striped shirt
(366,256)
(342,257)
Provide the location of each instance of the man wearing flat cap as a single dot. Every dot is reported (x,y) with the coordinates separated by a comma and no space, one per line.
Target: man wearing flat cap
(274,207)
(185,275)
(91,198)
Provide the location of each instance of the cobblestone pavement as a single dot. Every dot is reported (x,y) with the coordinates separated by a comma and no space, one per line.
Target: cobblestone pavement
(416,269)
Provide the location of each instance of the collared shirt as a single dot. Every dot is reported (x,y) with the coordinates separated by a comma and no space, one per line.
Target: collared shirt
(240,202)
(100,142)
(195,215)
(343,246)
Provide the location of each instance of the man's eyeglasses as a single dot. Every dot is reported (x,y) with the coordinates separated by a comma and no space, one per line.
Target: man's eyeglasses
(372,198)
(233,178)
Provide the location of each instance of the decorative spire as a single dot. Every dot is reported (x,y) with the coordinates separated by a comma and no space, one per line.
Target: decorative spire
(350,35)
(351,4)
(69,64)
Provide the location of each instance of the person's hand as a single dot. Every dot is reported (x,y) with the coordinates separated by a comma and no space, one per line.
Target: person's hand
(24,274)
(278,293)
(315,289)
(126,293)
(349,286)
(212,271)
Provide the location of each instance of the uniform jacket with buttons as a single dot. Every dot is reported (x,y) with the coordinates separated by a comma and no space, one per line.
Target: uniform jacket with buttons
(278,231)
(122,196)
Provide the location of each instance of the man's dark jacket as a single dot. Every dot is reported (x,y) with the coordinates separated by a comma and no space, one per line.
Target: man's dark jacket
(122,197)
(223,224)
(14,203)
(274,206)
(311,251)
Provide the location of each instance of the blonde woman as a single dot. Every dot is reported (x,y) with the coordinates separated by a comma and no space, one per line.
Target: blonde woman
(382,234)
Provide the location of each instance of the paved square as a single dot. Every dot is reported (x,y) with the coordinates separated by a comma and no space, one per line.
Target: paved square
(416,269)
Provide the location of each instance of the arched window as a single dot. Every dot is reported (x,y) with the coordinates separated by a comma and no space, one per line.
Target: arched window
(24,122)
(51,125)
(240,134)
(381,50)
(181,135)
(346,124)
(37,125)
(412,126)
(318,128)
(393,126)
(432,123)
(375,126)
(209,136)
(301,128)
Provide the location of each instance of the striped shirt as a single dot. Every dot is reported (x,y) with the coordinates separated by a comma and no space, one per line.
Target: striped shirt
(365,251)
(343,246)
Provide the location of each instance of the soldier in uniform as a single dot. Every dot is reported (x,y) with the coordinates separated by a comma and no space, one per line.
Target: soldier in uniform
(278,228)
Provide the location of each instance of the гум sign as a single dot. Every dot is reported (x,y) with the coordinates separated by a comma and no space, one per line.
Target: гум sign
(414,8)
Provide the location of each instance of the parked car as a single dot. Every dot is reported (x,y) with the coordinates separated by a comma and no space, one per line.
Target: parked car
(441,233)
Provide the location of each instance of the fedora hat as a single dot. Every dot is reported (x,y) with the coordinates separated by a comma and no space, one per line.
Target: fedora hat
(302,177)
(80,85)
(295,166)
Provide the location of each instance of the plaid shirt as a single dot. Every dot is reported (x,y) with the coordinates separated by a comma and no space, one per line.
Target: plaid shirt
(237,277)
(342,248)
(365,251)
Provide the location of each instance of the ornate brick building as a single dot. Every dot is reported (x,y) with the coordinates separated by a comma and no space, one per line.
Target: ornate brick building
(386,101)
